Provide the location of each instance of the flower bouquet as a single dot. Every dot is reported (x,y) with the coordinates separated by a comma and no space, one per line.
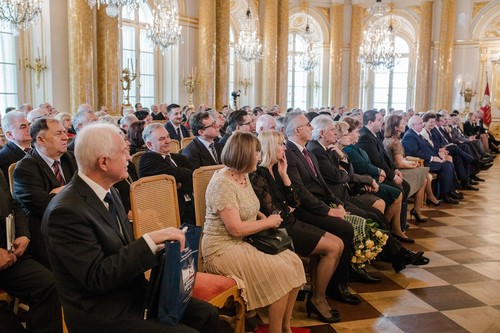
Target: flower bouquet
(368,239)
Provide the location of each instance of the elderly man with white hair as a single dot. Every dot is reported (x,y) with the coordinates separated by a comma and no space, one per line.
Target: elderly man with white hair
(265,122)
(98,265)
(17,131)
(126,120)
(37,113)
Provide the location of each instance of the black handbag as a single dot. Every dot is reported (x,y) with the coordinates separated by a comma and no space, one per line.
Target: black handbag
(270,241)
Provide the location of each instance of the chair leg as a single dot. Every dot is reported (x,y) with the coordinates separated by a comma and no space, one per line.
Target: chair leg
(239,325)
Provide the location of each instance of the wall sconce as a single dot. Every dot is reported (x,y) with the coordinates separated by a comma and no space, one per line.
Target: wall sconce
(38,67)
(245,83)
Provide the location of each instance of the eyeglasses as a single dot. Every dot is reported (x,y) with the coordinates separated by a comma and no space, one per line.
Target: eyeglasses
(251,121)
(308,124)
(213,125)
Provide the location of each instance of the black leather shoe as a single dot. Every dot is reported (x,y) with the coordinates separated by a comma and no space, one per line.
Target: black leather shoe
(473,182)
(310,307)
(486,166)
(449,200)
(477,179)
(342,294)
(456,195)
(421,261)
(357,274)
(468,187)
(403,239)
(405,257)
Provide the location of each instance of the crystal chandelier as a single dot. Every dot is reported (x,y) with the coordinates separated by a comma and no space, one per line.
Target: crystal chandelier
(248,47)
(309,59)
(113,6)
(165,30)
(377,49)
(20,14)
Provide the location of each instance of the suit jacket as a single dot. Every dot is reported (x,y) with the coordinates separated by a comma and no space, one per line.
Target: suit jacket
(9,154)
(415,145)
(98,271)
(10,206)
(376,152)
(438,139)
(152,164)
(341,182)
(33,181)
(158,116)
(198,155)
(472,129)
(173,134)
(315,193)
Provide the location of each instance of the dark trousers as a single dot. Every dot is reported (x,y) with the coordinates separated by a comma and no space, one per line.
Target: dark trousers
(445,176)
(339,228)
(199,317)
(34,285)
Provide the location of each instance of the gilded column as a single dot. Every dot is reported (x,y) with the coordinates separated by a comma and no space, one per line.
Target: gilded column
(108,56)
(270,29)
(206,51)
(444,84)
(354,67)
(336,41)
(424,57)
(81,53)
(222,57)
(282,66)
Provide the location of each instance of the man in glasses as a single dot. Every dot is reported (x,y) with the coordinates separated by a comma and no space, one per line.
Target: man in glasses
(203,150)
(238,121)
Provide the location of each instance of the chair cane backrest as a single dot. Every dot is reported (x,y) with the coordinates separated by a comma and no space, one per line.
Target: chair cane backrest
(174,146)
(11,177)
(185,141)
(136,158)
(201,178)
(154,204)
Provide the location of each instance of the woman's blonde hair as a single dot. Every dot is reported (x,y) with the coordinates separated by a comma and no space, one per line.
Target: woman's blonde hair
(269,141)
(239,151)
(340,128)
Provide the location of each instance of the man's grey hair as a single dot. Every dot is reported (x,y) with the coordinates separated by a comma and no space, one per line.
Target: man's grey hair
(411,122)
(128,119)
(80,118)
(291,123)
(320,123)
(8,120)
(94,141)
(265,121)
(84,107)
(147,133)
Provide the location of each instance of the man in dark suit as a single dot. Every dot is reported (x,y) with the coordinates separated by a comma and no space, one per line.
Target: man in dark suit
(21,276)
(461,160)
(158,160)
(97,264)
(203,150)
(315,199)
(369,142)
(238,121)
(415,145)
(81,119)
(17,131)
(174,126)
(155,113)
(41,175)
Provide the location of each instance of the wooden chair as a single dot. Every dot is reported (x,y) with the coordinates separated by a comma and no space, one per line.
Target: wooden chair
(201,178)
(11,177)
(162,212)
(174,146)
(186,141)
(136,158)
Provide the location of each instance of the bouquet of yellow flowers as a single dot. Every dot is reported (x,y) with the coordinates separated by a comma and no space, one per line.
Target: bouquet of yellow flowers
(368,239)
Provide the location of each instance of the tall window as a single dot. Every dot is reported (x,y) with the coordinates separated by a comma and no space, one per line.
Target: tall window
(8,74)
(297,77)
(303,87)
(138,52)
(390,88)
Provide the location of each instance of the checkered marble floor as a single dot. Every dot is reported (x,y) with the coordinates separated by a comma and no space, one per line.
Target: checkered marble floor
(458,291)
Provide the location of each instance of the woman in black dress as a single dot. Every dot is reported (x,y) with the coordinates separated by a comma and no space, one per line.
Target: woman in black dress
(276,193)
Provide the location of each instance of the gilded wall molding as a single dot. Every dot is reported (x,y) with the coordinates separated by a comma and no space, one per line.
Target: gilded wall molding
(415,9)
(325,11)
(477,6)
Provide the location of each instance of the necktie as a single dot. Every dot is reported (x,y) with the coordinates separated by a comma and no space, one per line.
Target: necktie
(170,160)
(27,150)
(214,152)
(179,132)
(57,172)
(309,161)
(112,209)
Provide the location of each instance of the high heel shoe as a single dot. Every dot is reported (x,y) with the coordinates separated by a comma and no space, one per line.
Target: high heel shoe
(430,202)
(310,307)
(403,239)
(417,218)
